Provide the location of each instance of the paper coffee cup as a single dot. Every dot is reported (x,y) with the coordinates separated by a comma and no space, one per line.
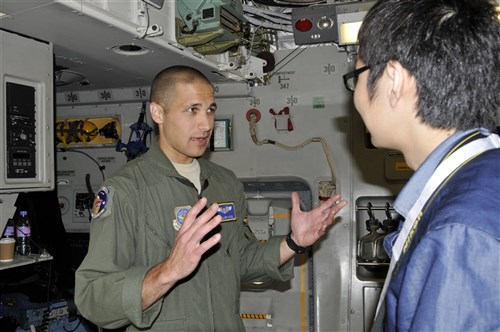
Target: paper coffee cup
(7,246)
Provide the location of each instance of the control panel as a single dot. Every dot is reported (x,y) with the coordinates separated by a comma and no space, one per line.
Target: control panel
(27,151)
(76,204)
(21,131)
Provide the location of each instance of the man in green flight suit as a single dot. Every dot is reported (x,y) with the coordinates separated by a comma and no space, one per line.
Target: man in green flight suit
(168,243)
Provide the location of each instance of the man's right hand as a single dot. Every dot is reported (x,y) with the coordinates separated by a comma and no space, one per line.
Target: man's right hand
(189,246)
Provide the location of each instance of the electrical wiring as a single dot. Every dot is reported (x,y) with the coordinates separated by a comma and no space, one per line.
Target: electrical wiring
(274,26)
(267,18)
(266,12)
(101,167)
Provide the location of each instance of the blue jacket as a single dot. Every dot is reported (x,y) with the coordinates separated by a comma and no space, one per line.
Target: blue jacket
(449,278)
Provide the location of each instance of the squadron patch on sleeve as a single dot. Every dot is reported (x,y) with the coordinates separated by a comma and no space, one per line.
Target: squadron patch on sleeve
(180,214)
(102,203)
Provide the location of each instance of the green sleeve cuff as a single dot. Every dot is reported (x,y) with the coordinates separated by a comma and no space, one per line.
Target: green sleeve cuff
(132,299)
(272,261)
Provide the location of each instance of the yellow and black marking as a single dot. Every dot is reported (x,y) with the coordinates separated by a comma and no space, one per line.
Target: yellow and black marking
(87,131)
(255,316)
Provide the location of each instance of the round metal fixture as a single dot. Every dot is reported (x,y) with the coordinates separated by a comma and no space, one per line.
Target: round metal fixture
(325,23)
(130,49)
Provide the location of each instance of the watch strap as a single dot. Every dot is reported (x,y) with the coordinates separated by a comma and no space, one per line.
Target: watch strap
(294,246)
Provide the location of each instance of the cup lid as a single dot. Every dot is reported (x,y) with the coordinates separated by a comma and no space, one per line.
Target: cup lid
(7,240)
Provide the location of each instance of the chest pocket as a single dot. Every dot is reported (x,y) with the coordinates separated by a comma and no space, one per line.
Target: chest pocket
(155,234)
(157,230)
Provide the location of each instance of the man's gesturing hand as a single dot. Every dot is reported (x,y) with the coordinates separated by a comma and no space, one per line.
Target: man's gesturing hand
(189,243)
(189,246)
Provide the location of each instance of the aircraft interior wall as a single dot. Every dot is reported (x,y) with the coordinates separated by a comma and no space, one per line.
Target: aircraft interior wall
(293,128)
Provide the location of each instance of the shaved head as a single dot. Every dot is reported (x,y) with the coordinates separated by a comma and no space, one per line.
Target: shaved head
(164,86)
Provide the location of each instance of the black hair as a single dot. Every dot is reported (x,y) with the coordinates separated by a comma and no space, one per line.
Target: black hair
(451,47)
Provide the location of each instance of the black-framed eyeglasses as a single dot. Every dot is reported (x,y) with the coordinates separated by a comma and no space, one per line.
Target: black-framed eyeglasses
(351,78)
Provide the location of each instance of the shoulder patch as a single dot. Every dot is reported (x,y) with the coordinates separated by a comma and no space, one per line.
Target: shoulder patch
(102,202)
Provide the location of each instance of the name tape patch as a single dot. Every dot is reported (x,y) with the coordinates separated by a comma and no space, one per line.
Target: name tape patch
(226,211)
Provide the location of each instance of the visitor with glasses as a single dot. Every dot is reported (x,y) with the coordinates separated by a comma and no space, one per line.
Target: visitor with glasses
(427,83)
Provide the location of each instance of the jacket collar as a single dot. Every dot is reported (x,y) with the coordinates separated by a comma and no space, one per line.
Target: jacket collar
(157,157)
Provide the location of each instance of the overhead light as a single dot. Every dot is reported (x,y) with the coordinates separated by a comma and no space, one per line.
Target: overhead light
(65,77)
(349,25)
(130,49)
(348,33)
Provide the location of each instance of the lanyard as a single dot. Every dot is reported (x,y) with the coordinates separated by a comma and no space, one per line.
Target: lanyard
(442,172)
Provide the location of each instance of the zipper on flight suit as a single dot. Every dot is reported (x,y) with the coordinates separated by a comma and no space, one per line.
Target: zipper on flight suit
(186,182)
(206,270)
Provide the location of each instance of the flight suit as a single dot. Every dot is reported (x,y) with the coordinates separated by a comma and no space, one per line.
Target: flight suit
(134,227)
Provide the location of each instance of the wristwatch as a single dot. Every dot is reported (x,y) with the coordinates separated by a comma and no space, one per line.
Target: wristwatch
(294,246)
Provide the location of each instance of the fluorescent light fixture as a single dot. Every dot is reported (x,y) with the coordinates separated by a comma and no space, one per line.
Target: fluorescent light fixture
(348,32)
(348,27)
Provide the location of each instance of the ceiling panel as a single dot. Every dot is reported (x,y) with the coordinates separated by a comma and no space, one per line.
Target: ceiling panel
(83,44)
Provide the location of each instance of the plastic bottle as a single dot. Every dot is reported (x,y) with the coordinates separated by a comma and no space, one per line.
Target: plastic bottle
(10,229)
(23,228)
